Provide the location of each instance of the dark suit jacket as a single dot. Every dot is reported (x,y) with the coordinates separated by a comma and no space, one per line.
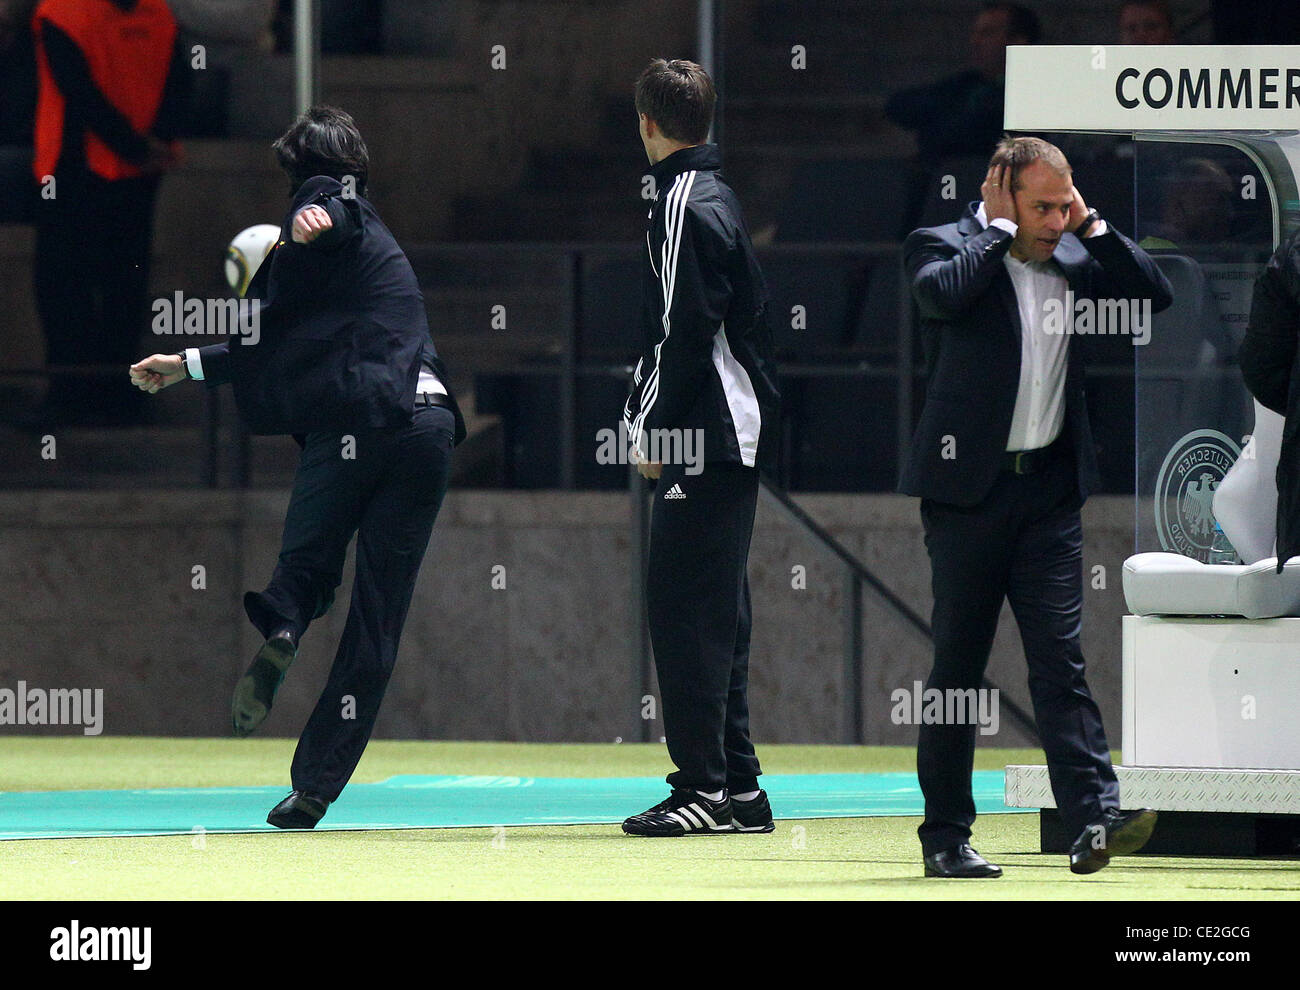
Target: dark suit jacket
(971,331)
(342,328)
(1270,364)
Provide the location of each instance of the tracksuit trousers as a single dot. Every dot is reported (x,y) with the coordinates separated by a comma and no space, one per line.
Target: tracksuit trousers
(697,598)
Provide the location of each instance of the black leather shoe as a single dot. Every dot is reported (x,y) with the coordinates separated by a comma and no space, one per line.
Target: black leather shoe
(298,810)
(1115,834)
(961,862)
(256,690)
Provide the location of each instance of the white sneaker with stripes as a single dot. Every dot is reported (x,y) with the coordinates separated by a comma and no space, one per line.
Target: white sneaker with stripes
(685,812)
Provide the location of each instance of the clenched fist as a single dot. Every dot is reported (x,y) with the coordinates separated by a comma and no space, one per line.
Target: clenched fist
(157,372)
(310,223)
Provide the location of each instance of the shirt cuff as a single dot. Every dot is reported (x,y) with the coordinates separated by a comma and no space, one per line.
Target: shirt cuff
(193,364)
(1002,223)
(1098,228)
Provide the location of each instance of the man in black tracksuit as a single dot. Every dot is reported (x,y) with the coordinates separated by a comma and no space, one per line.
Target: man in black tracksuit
(702,417)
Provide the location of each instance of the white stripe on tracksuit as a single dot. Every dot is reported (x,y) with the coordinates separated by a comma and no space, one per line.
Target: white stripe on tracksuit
(674,220)
(746,417)
(742,402)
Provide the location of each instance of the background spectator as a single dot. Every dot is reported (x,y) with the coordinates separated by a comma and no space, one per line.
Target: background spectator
(962,114)
(112,83)
(1146,22)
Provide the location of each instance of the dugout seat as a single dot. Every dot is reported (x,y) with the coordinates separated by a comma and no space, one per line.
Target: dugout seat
(1245,506)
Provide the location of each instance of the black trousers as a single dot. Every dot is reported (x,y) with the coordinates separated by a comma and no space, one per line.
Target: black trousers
(1023,543)
(388,494)
(697,598)
(91,282)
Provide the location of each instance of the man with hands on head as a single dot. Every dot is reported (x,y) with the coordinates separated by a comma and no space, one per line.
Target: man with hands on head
(1002,459)
(342,360)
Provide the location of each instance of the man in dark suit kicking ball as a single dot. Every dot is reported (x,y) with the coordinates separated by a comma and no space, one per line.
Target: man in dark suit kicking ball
(1003,459)
(343,360)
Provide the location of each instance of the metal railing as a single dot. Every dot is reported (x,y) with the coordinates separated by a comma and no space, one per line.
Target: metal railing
(858,580)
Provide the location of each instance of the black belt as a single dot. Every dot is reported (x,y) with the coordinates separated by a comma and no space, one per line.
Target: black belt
(1030,461)
(433,399)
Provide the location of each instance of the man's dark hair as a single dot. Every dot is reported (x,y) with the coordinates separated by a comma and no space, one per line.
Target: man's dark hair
(679,97)
(1017,152)
(1021,21)
(323,141)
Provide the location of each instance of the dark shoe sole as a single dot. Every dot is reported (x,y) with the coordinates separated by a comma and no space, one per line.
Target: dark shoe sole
(1092,864)
(292,819)
(962,876)
(255,692)
(294,816)
(1133,835)
(1122,841)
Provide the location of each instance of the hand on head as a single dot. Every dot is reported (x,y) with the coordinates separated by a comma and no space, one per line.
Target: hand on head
(999,200)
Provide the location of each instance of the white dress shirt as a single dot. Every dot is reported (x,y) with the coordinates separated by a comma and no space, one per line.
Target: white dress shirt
(1040,398)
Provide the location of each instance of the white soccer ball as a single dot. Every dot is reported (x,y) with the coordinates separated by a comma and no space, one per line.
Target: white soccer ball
(246,252)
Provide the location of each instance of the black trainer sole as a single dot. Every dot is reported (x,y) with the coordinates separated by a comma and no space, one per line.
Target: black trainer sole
(724,829)
(255,692)
(679,835)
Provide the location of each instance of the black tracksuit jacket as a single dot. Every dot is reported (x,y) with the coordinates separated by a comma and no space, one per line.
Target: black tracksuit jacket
(706,362)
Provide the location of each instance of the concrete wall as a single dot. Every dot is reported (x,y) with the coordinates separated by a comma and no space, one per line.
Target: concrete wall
(96,590)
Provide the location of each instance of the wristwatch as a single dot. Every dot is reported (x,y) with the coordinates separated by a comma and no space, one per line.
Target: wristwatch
(185,365)
(1088,222)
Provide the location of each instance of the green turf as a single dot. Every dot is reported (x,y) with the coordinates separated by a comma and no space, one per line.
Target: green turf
(823,859)
(79,763)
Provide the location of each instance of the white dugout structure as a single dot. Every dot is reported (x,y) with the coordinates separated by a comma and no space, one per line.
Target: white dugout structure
(1211,653)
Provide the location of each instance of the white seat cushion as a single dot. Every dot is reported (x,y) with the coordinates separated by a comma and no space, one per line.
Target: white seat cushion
(1171,584)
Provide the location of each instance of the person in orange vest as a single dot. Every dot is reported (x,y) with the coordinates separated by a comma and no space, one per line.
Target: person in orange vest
(111,90)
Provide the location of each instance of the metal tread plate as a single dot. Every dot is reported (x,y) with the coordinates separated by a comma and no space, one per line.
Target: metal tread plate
(1175,789)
